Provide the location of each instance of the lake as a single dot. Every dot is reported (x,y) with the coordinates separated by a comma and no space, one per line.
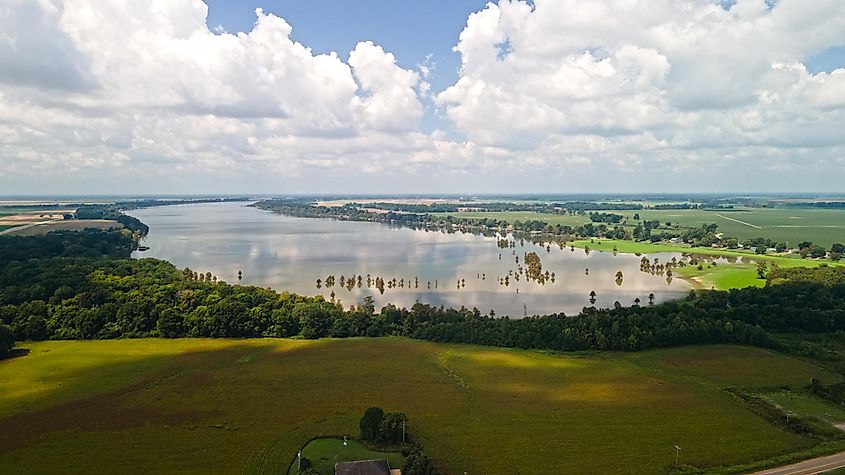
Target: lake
(290,254)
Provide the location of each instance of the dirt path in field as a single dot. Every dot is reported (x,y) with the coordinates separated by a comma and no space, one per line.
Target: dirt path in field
(738,221)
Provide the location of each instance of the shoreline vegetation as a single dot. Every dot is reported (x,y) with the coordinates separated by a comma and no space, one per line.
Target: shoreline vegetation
(605,231)
(84,285)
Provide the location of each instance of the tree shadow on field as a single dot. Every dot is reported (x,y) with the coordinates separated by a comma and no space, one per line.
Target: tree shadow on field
(15,353)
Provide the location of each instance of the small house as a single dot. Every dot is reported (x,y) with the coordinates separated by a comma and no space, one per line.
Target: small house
(365,467)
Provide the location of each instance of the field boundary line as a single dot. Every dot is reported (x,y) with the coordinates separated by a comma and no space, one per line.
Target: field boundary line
(738,221)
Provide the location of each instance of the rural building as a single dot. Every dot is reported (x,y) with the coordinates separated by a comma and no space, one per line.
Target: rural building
(365,467)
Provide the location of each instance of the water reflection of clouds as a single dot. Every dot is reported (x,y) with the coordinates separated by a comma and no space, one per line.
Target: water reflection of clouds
(289,253)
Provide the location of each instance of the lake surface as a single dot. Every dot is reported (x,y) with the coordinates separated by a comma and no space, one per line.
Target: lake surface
(290,254)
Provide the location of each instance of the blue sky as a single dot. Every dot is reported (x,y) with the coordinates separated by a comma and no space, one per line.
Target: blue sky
(411,30)
(459,96)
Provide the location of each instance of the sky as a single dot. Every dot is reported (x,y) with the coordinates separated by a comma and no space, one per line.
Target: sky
(447,96)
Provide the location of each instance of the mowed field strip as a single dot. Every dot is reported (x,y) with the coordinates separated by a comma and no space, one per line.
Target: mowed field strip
(232,406)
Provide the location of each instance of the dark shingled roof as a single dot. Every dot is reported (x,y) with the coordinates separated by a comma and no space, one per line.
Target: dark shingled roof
(364,467)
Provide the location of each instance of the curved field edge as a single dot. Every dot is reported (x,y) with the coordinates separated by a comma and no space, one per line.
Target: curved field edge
(247,405)
(719,277)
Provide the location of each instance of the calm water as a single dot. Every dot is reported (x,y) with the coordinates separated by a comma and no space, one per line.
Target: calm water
(288,253)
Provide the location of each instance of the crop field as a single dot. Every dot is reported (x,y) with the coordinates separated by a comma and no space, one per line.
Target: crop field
(735,366)
(805,403)
(791,225)
(66,225)
(248,405)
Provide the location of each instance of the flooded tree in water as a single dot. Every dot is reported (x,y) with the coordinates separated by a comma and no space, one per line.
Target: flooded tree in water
(534,267)
(637,302)
(651,298)
(319,283)
(240,275)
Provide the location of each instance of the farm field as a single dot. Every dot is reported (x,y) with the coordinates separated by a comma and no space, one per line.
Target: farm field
(66,225)
(791,225)
(231,406)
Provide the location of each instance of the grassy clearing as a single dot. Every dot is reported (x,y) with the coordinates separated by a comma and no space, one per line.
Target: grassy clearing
(803,403)
(722,276)
(325,453)
(735,366)
(248,405)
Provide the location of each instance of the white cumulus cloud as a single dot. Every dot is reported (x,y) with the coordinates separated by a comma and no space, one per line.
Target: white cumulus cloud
(552,95)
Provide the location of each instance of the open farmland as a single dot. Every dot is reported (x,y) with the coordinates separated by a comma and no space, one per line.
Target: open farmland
(791,225)
(64,225)
(248,405)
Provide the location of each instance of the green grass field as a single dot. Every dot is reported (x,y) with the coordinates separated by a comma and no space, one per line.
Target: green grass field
(203,406)
(722,276)
(791,225)
(804,403)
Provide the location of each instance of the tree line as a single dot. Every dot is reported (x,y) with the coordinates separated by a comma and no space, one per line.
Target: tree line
(62,296)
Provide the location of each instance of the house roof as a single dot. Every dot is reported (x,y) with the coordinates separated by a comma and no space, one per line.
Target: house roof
(363,467)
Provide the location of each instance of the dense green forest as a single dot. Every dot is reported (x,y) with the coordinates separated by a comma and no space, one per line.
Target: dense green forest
(82,285)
